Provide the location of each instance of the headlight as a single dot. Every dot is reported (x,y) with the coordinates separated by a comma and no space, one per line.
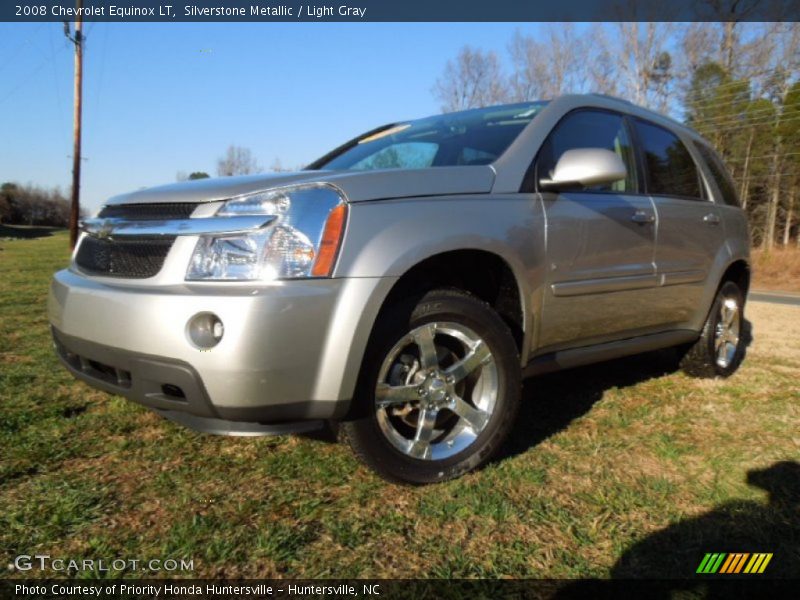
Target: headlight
(302,240)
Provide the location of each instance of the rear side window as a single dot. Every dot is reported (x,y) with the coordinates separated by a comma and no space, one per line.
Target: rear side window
(671,170)
(590,129)
(721,175)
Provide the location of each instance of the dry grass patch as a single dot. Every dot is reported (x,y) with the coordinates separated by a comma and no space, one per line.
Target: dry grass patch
(778,269)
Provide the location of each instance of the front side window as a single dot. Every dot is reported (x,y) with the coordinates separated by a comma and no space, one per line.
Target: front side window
(470,137)
(671,170)
(590,129)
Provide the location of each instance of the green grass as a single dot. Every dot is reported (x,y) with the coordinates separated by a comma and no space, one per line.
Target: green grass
(623,469)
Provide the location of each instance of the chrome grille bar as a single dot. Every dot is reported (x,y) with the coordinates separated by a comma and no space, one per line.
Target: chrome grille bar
(108,228)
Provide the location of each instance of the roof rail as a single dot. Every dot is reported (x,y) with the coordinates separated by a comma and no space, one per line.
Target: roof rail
(610,97)
(647,110)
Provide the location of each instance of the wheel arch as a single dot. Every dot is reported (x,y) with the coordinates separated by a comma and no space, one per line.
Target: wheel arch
(731,263)
(739,272)
(482,273)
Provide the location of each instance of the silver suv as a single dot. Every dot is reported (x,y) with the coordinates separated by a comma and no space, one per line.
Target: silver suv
(405,283)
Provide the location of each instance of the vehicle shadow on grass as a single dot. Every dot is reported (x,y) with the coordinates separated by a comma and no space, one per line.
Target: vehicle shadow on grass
(672,556)
(24,232)
(551,402)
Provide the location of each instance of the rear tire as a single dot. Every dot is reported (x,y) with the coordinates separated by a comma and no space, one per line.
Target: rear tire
(438,390)
(720,349)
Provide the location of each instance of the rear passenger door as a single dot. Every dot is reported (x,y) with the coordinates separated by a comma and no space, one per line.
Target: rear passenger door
(600,241)
(690,232)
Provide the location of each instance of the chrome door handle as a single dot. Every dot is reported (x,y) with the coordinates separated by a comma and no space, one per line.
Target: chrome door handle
(711,219)
(641,216)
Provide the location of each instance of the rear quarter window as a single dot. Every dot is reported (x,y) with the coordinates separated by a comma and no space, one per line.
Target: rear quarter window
(720,174)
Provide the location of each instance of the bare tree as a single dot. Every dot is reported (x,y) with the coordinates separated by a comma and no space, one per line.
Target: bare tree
(696,45)
(277,166)
(473,80)
(644,64)
(698,42)
(549,68)
(237,161)
(602,70)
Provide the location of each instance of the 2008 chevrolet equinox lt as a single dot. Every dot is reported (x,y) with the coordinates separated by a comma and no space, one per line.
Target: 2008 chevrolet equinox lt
(404,284)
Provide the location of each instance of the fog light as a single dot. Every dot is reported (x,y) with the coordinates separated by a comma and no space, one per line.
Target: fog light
(205,330)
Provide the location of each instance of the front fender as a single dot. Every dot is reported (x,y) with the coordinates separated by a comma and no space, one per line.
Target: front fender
(387,238)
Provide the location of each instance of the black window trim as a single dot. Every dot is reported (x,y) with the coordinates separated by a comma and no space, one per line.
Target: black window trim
(701,176)
(530,182)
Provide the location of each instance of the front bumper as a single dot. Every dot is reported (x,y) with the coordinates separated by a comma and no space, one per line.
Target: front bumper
(290,352)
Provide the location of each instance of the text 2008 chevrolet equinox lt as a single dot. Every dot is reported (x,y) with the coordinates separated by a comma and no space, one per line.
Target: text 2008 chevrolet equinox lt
(405,282)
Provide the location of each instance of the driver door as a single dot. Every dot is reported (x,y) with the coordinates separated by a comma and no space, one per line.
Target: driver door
(600,242)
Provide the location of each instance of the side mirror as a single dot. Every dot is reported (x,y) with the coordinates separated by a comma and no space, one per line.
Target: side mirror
(585,167)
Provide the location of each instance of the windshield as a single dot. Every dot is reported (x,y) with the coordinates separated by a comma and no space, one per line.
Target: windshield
(471,137)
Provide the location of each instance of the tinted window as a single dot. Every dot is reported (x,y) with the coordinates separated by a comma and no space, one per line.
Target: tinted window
(469,137)
(670,168)
(590,129)
(720,174)
(472,156)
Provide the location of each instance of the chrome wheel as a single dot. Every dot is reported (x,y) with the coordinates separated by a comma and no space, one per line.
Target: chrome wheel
(436,391)
(726,333)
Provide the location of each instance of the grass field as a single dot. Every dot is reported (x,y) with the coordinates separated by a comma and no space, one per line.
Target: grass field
(624,469)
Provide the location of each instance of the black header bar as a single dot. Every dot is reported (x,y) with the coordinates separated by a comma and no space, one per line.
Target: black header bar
(402,10)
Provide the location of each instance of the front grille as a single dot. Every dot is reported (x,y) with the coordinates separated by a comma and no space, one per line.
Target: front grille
(136,258)
(148,212)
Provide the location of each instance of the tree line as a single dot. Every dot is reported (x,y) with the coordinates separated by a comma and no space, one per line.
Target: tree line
(736,83)
(33,205)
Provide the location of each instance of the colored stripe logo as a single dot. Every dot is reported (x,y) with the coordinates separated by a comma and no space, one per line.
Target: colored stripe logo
(734,562)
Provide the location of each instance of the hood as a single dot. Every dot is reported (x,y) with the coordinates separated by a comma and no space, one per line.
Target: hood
(358,186)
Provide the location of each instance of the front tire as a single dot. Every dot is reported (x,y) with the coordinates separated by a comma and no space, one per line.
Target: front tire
(720,349)
(438,391)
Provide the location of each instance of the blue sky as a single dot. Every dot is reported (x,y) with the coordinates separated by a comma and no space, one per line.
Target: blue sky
(162,98)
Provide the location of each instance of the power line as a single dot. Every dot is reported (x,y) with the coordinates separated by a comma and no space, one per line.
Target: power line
(773,155)
(28,77)
(769,111)
(730,95)
(732,100)
(742,123)
(14,53)
(744,104)
(55,76)
(754,74)
(99,86)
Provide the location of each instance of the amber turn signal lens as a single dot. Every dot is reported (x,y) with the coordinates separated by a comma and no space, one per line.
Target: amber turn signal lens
(331,238)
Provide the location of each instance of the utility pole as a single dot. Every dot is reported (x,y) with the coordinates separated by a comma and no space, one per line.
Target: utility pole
(77,40)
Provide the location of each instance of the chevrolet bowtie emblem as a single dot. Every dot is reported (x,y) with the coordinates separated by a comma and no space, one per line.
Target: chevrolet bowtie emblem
(98,229)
